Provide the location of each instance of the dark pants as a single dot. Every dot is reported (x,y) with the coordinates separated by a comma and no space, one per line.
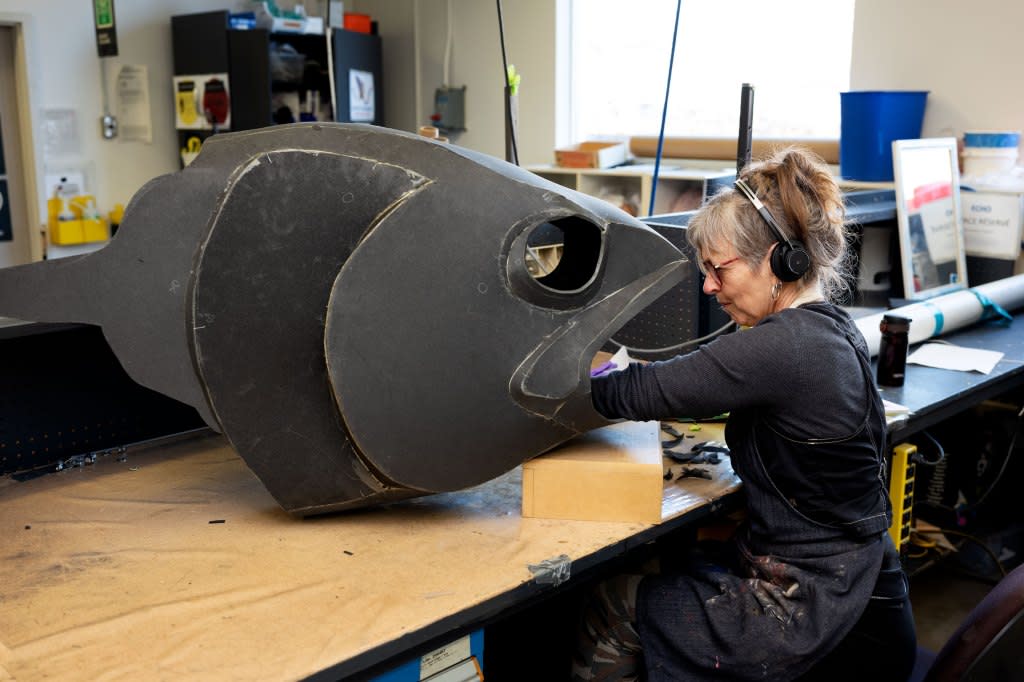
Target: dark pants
(882,645)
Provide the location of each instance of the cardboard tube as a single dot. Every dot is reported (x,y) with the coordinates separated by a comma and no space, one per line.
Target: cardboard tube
(724,148)
(946,313)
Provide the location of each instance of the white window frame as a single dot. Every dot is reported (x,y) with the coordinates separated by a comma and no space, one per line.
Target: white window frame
(802,43)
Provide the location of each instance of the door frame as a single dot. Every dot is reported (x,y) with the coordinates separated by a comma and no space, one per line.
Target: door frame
(23,142)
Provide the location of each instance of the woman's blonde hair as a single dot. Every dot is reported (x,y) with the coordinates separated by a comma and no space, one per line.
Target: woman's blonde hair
(798,188)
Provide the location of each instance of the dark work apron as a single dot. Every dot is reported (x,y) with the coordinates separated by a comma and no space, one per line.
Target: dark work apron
(799,574)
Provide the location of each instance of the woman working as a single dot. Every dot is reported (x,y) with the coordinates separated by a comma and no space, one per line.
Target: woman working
(811,586)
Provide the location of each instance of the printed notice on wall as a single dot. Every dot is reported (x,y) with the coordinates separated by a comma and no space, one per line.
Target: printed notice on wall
(134,120)
(992,224)
(360,96)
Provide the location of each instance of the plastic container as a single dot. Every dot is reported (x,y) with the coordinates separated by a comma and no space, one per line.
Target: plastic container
(869,121)
(992,138)
(988,152)
(979,161)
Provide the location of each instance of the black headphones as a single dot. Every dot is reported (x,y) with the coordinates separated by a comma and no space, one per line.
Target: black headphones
(789,259)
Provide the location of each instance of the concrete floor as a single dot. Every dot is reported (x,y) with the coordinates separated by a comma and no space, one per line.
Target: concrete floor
(943,594)
(942,597)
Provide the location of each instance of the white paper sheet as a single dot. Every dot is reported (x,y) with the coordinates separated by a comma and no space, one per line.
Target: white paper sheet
(893,410)
(136,123)
(948,356)
(621,358)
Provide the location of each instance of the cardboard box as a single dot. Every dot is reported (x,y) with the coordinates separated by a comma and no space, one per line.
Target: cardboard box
(610,474)
(592,155)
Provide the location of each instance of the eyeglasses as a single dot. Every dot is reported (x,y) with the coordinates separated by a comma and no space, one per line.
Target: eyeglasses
(712,271)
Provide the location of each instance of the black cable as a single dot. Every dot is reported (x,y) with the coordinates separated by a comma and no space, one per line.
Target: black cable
(501,34)
(677,346)
(920,459)
(972,538)
(1002,469)
(507,90)
(970,507)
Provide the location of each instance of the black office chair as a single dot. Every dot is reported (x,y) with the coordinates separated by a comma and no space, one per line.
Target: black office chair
(988,645)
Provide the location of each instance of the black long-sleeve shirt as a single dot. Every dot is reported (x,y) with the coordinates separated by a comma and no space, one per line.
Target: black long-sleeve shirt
(803,408)
(796,364)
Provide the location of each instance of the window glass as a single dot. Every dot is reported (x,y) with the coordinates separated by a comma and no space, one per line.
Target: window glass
(796,54)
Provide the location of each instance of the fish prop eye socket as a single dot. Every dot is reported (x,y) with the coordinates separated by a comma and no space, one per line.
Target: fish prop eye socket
(555,262)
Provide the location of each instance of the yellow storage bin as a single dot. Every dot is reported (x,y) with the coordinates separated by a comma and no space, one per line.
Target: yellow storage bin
(94,230)
(66,232)
(67,224)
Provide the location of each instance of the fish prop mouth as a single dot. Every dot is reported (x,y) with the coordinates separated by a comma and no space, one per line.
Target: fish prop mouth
(361,312)
(557,370)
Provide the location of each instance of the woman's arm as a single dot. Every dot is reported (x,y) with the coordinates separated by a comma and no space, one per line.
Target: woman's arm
(745,368)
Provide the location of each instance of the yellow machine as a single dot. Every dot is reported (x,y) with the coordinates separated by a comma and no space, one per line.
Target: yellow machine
(901,492)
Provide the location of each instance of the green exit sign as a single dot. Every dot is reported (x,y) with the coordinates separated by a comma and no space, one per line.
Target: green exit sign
(104,13)
(106,32)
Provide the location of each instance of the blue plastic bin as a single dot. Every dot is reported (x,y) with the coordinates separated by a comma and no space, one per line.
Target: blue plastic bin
(869,121)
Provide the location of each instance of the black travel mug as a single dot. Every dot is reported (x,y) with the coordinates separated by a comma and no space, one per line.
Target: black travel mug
(892,351)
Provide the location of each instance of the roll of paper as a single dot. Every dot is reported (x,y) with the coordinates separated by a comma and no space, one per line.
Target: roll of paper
(949,312)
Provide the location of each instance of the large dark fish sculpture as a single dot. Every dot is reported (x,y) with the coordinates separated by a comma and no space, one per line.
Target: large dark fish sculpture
(352,307)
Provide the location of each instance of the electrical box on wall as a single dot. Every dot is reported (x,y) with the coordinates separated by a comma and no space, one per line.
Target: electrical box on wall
(450,109)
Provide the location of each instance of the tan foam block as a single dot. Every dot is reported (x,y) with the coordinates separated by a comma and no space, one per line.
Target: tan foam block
(609,474)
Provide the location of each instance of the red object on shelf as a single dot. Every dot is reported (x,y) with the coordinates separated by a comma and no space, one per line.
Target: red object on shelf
(216,102)
(360,23)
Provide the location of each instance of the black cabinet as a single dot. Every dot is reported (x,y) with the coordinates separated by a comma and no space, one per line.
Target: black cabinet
(359,95)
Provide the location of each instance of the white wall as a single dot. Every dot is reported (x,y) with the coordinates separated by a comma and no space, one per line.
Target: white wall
(967,54)
(66,75)
(397,27)
(475,62)
(65,72)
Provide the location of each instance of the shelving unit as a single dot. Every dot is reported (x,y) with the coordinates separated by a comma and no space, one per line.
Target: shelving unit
(263,87)
(629,187)
(292,79)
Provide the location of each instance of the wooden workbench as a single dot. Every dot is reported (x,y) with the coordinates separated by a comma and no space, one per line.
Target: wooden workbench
(176,563)
(173,562)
